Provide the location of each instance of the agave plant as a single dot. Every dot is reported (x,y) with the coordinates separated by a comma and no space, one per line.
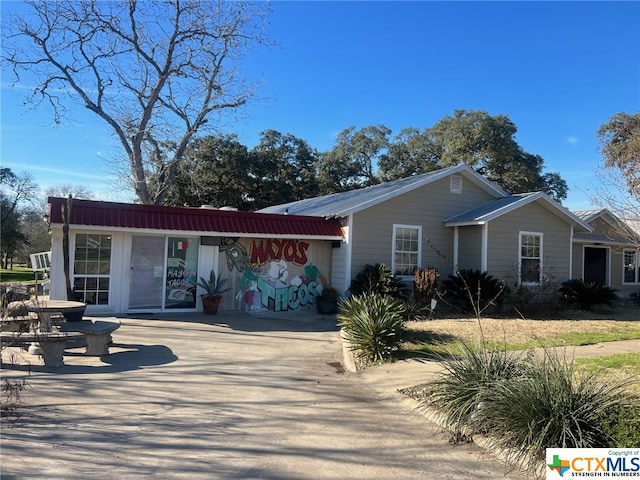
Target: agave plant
(586,294)
(214,285)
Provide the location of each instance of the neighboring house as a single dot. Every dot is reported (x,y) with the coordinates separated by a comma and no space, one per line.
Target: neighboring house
(451,219)
(608,255)
(142,258)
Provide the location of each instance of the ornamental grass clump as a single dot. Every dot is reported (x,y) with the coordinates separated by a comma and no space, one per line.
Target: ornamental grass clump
(373,324)
(461,393)
(550,406)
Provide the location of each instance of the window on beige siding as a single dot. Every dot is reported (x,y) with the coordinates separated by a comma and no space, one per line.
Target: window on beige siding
(407,245)
(530,258)
(631,267)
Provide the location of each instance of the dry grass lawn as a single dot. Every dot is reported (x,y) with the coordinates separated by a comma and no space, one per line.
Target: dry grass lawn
(621,323)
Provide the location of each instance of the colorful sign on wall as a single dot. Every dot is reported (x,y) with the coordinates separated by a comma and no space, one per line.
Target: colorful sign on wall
(275,274)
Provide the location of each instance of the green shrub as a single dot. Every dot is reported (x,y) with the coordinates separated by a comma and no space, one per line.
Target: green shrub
(467,383)
(526,406)
(474,290)
(378,279)
(622,424)
(535,301)
(373,324)
(551,406)
(586,294)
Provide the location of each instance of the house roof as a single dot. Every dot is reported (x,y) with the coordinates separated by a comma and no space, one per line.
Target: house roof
(214,222)
(627,234)
(345,203)
(590,215)
(496,208)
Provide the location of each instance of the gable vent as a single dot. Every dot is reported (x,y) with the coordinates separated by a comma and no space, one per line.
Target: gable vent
(456,184)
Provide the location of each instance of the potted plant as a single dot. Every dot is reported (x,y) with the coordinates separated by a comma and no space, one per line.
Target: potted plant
(214,288)
(327,301)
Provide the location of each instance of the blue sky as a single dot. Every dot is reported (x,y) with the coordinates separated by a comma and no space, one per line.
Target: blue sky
(558,70)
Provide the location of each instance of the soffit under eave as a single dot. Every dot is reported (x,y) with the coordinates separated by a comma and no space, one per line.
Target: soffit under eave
(464,224)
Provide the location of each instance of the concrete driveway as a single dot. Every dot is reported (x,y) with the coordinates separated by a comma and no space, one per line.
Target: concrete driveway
(224,397)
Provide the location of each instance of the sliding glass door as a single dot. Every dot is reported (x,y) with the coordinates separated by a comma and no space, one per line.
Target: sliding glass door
(146,284)
(163,272)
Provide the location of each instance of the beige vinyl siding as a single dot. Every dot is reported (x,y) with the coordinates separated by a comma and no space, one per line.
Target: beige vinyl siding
(427,206)
(503,241)
(577,256)
(470,248)
(600,225)
(339,260)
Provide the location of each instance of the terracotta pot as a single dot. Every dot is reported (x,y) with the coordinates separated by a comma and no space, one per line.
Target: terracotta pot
(210,304)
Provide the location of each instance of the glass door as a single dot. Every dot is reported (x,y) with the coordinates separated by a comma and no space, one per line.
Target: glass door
(182,269)
(146,283)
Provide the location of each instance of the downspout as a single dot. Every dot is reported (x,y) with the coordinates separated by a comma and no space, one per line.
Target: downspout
(347,273)
(571,254)
(456,244)
(485,247)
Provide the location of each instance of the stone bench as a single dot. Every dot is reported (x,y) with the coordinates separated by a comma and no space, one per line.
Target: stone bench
(18,323)
(97,333)
(51,344)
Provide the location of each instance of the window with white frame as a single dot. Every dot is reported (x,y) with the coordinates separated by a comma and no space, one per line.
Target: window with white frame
(530,258)
(407,248)
(92,268)
(631,267)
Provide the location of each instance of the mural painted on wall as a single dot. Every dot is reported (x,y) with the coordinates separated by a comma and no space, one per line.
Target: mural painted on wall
(275,274)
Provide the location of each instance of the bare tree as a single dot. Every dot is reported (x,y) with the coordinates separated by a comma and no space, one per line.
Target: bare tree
(64,190)
(618,185)
(155,71)
(17,194)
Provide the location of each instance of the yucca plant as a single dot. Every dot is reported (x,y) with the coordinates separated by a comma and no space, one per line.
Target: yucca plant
(551,406)
(373,324)
(378,279)
(586,294)
(461,392)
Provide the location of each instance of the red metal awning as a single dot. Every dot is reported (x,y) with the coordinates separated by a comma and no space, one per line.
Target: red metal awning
(189,219)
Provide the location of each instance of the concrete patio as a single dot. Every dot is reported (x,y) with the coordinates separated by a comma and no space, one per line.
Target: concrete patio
(232,396)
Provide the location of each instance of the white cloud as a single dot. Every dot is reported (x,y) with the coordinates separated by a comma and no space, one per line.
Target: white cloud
(572,140)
